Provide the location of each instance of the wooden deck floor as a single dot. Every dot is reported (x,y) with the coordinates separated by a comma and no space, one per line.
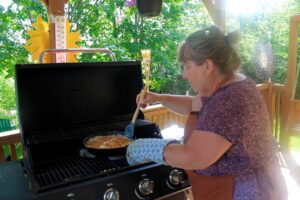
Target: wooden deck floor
(291,171)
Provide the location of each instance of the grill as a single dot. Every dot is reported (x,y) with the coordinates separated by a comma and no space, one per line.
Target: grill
(69,170)
(61,104)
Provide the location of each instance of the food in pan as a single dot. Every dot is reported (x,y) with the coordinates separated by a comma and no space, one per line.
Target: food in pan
(107,142)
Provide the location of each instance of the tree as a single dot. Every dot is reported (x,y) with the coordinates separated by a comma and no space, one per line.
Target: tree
(99,27)
(119,28)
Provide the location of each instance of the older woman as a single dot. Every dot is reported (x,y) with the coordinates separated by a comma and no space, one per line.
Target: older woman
(231,142)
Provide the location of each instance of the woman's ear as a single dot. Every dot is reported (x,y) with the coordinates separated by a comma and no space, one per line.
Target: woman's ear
(209,66)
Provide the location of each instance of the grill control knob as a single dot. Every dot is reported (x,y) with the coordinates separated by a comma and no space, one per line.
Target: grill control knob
(146,186)
(111,194)
(176,177)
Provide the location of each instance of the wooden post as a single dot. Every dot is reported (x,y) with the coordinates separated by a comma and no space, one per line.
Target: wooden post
(271,104)
(291,80)
(55,8)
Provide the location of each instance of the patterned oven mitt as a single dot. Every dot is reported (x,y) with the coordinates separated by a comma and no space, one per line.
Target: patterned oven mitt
(150,149)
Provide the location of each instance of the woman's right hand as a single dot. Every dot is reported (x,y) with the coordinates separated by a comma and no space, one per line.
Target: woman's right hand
(149,98)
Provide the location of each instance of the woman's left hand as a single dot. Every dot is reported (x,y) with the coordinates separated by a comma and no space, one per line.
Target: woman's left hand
(145,150)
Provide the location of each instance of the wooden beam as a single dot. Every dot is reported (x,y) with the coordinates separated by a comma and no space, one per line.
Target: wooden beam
(211,10)
(217,11)
(221,13)
(46,2)
(291,79)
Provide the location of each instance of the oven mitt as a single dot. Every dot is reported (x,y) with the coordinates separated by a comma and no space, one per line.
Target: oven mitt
(150,149)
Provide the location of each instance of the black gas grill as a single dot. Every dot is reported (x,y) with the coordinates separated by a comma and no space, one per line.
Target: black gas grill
(61,104)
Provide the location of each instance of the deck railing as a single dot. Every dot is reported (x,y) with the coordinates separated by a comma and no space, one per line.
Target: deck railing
(165,118)
(10,140)
(273,98)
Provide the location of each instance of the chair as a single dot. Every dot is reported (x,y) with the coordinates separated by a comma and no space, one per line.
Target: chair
(5,125)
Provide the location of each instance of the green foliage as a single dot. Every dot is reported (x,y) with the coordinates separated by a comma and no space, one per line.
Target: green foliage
(7,98)
(14,21)
(126,39)
(270,27)
(99,27)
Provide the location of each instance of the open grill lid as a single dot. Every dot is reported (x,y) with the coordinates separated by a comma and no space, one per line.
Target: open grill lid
(61,95)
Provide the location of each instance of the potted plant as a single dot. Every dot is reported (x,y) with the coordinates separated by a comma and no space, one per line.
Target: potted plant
(149,8)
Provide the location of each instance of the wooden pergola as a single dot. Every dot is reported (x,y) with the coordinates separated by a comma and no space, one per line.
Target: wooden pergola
(283,109)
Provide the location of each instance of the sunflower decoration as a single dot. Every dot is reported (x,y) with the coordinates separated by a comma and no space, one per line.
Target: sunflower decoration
(39,40)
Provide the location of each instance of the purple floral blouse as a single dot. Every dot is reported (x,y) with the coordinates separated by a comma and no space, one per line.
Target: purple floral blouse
(237,112)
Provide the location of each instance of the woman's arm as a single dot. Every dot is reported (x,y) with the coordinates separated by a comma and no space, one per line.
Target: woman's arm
(201,151)
(180,104)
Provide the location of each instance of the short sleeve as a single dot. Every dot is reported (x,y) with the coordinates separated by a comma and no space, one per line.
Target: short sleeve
(238,113)
(224,118)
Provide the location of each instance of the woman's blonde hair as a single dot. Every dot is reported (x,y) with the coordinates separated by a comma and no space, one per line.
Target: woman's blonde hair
(212,43)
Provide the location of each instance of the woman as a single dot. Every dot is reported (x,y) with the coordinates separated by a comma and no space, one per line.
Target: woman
(231,138)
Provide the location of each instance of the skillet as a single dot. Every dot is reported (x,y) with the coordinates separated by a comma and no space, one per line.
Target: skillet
(119,150)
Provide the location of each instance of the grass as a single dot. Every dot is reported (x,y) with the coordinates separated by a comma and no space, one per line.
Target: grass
(19,151)
(295,143)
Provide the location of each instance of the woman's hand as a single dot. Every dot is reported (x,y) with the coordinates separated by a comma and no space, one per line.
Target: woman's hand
(145,150)
(149,98)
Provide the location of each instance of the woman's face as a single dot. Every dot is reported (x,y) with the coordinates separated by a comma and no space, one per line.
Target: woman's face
(197,76)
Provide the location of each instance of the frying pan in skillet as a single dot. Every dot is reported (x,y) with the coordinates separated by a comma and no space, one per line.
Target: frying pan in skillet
(113,143)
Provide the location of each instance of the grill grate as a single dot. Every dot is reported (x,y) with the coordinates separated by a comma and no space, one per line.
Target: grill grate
(64,171)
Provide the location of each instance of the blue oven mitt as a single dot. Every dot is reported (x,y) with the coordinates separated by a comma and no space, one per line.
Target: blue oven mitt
(150,149)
